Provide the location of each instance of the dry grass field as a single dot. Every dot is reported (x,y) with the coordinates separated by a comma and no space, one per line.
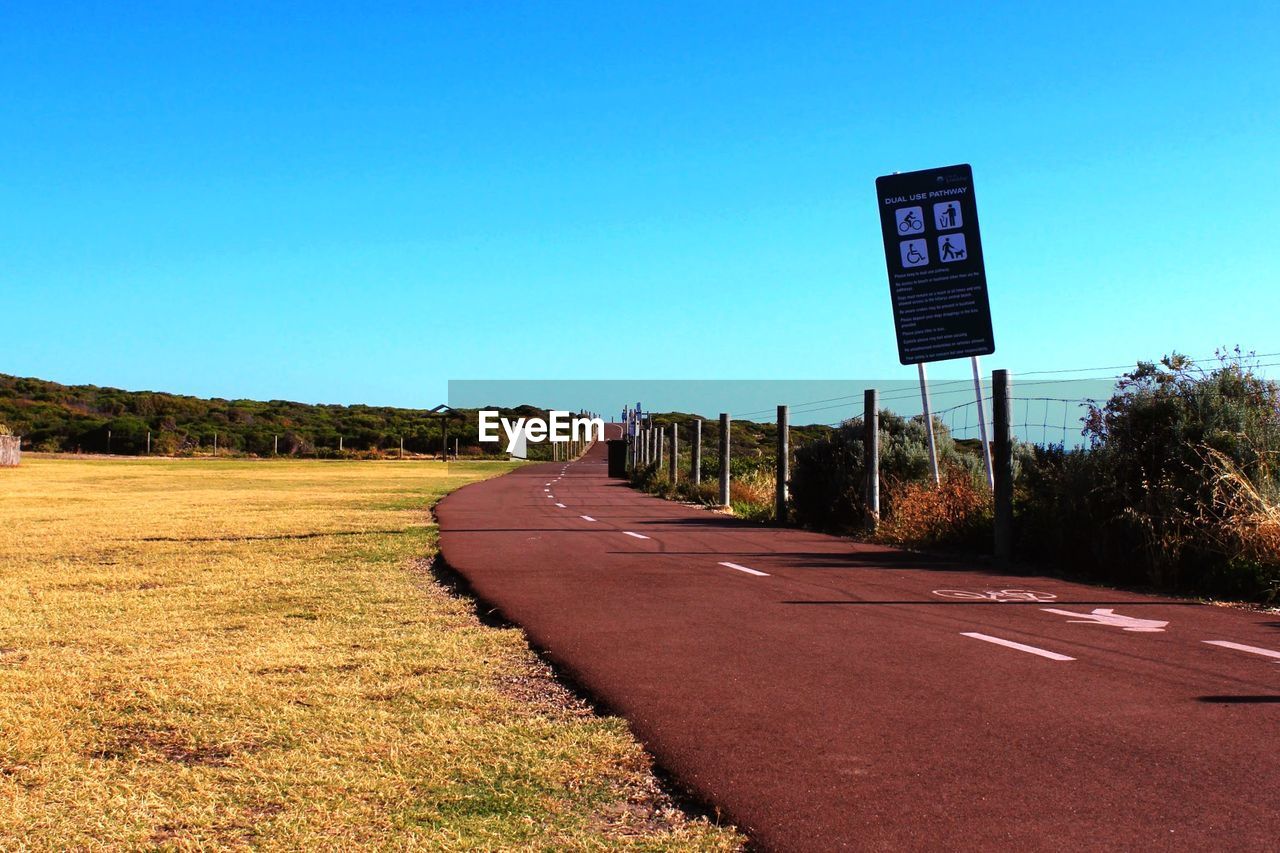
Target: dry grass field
(231,654)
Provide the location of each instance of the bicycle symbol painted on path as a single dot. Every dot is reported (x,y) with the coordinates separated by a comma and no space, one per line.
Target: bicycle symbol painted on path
(1003,595)
(910,220)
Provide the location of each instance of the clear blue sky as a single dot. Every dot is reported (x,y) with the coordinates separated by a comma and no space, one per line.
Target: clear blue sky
(317,203)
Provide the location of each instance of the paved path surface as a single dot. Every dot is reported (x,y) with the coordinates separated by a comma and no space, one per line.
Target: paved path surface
(831,695)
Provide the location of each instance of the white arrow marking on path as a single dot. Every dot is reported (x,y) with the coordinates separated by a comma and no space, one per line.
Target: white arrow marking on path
(1108,616)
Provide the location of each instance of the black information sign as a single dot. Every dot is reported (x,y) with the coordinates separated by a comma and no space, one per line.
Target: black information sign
(936,278)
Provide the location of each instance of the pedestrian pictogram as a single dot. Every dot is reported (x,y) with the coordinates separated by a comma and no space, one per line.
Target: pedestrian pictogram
(915,253)
(951,247)
(910,220)
(947,215)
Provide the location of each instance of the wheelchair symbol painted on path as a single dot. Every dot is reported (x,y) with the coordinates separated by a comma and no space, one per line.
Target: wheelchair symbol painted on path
(1108,616)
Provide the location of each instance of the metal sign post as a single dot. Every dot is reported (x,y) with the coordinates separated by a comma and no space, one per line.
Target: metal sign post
(982,422)
(928,425)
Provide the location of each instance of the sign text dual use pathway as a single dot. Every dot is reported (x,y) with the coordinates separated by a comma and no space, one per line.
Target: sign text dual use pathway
(934,255)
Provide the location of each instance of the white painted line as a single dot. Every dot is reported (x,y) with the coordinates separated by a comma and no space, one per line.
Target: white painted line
(1253,650)
(1019,646)
(636,535)
(562,506)
(745,569)
(586,518)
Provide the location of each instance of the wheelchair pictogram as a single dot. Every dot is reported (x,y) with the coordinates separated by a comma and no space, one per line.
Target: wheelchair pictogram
(915,253)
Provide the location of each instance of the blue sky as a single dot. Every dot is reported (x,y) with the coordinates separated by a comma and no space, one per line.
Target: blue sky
(317,203)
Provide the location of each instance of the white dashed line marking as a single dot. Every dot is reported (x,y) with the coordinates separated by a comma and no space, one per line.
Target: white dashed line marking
(586,518)
(1253,650)
(562,506)
(736,567)
(636,535)
(1010,644)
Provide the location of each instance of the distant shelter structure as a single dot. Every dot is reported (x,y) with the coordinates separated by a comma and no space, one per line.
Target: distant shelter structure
(10,449)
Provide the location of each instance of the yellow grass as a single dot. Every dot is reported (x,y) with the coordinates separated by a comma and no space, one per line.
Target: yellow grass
(199,654)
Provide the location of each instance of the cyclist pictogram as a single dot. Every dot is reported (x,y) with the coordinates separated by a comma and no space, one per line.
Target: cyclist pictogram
(910,220)
(951,248)
(915,253)
(947,215)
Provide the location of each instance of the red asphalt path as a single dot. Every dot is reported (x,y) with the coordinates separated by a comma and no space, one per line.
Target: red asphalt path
(825,696)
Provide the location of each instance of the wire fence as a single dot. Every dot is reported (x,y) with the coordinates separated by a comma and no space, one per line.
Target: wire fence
(1040,417)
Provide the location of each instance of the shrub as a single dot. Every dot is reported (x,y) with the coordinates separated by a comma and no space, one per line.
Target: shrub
(1178,487)
(957,513)
(751,495)
(1065,516)
(1190,455)
(827,478)
(826,481)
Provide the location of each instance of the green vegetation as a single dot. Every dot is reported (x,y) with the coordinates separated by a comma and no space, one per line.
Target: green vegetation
(231,655)
(828,476)
(752,463)
(86,418)
(1179,487)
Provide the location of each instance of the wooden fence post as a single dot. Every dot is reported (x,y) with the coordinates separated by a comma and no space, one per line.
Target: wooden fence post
(783,472)
(673,468)
(871,454)
(724,458)
(1002,465)
(695,465)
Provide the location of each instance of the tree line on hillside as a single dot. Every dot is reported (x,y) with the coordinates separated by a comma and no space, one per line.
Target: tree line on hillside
(86,418)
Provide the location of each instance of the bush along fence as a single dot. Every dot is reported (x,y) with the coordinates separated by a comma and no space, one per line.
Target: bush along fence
(1173,482)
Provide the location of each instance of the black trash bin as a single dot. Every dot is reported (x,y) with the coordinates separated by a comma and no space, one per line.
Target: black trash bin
(618,458)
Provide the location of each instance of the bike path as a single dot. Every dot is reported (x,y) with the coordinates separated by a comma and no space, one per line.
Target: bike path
(830,698)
